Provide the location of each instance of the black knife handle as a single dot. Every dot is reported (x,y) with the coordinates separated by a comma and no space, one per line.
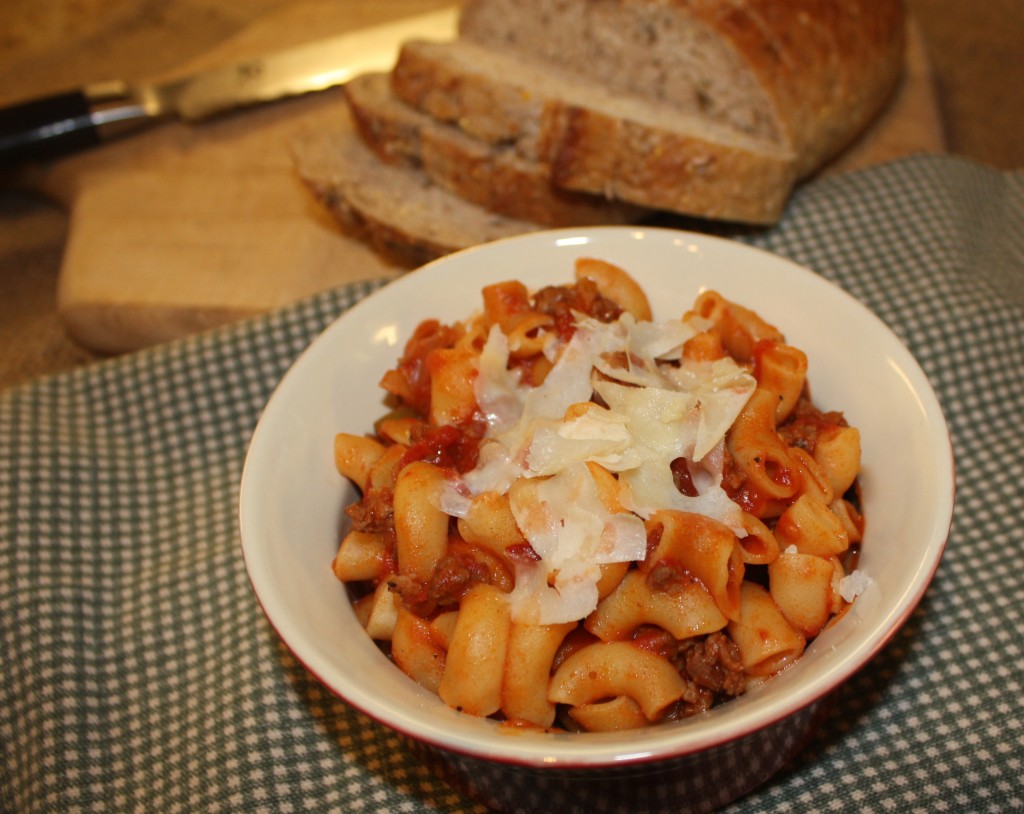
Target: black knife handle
(46,128)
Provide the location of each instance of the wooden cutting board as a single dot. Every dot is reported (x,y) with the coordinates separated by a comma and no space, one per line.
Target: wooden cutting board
(183,228)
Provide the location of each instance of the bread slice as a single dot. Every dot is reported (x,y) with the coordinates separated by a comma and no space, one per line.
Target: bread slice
(806,74)
(489,175)
(593,140)
(397,210)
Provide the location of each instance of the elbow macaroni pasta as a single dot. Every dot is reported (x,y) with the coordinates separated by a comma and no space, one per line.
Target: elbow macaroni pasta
(561,527)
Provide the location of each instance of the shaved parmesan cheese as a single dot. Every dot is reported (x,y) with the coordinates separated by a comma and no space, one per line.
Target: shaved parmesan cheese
(496,388)
(496,469)
(722,388)
(657,340)
(853,585)
(664,422)
(540,598)
(599,435)
(567,383)
(633,349)
(573,533)
(452,501)
(563,517)
(660,407)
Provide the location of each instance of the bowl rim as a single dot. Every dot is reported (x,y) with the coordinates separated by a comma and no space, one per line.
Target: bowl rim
(667,744)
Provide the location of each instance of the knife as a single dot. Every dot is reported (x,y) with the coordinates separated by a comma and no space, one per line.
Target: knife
(66,122)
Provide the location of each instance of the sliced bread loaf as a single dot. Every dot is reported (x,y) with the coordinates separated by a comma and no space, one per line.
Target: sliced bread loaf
(397,210)
(808,74)
(492,176)
(593,140)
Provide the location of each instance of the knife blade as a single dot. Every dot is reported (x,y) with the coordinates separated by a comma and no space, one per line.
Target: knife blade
(39,129)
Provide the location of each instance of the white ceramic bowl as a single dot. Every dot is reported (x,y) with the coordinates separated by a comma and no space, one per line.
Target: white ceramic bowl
(292,501)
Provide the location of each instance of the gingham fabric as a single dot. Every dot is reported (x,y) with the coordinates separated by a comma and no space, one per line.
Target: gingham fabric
(138,673)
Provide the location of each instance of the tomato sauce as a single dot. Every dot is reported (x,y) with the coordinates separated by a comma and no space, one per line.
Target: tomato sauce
(447,446)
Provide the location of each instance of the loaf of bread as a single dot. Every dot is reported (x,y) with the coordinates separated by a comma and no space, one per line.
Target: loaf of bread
(493,176)
(397,210)
(806,74)
(575,112)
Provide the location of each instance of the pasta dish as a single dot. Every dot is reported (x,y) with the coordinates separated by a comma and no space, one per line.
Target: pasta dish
(575,516)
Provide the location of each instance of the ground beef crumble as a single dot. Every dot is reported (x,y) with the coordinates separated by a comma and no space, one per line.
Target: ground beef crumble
(712,670)
(802,427)
(375,513)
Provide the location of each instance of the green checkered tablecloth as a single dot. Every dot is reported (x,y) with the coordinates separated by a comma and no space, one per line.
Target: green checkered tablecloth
(138,673)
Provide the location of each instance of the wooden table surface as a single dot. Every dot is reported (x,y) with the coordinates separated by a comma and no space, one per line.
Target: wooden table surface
(973,52)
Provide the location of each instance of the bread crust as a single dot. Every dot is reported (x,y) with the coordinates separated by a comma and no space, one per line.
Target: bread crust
(488,133)
(397,211)
(823,68)
(599,152)
(490,176)
(666,171)
(827,66)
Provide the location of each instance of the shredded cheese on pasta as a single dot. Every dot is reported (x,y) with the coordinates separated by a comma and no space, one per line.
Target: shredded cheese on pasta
(660,407)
